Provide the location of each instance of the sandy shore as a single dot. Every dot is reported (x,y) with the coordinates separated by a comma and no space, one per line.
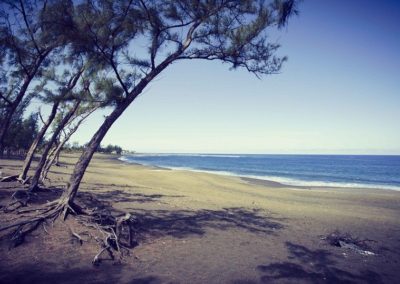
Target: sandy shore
(203,228)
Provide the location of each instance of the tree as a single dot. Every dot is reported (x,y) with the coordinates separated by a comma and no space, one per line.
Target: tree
(27,41)
(23,132)
(110,149)
(233,32)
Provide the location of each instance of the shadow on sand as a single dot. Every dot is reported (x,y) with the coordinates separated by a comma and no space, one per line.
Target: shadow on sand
(105,199)
(42,274)
(183,223)
(146,224)
(180,223)
(313,266)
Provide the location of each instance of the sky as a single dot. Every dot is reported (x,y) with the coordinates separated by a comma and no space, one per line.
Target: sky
(339,93)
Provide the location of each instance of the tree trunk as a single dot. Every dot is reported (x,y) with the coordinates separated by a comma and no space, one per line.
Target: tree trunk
(84,160)
(39,137)
(54,156)
(43,158)
(57,160)
(49,162)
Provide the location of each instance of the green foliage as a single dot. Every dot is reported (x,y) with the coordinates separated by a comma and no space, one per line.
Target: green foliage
(22,132)
(109,149)
(133,38)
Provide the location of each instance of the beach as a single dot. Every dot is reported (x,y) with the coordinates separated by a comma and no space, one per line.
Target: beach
(195,227)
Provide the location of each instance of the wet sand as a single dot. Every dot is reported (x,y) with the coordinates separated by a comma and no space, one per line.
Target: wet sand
(203,228)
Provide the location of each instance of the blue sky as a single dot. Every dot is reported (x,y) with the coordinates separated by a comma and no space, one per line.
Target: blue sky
(339,93)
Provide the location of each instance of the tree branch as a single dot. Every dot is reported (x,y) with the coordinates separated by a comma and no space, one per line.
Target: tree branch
(41,117)
(5,99)
(17,50)
(114,67)
(28,27)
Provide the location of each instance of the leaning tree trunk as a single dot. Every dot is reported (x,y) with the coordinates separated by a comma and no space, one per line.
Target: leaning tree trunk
(49,161)
(55,155)
(39,137)
(43,158)
(84,160)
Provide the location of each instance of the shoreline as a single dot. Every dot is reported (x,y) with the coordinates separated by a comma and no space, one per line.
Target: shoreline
(273,183)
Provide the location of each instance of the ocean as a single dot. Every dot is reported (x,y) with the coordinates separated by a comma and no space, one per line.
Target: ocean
(382,172)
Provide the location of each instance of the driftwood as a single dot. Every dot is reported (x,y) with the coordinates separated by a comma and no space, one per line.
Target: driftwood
(15,178)
(9,178)
(346,241)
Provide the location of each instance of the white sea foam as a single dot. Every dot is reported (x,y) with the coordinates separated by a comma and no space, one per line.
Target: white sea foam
(281,180)
(183,155)
(124,159)
(298,182)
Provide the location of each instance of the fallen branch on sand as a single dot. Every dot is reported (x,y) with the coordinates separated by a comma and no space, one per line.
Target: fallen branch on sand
(346,241)
(9,178)
(15,178)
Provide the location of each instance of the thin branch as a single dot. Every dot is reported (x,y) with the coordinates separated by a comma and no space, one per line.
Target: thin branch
(177,26)
(114,67)
(154,44)
(28,27)
(41,117)
(5,99)
(123,18)
(17,50)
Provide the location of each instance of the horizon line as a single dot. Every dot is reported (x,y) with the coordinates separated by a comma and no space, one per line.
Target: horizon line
(222,153)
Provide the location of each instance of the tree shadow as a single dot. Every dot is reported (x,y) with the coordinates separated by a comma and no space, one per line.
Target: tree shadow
(313,266)
(42,273)
(155,223)
(11,168)
(184,223)
(146,280)
(147,223)
(105,199)
(40,196)
(108,185)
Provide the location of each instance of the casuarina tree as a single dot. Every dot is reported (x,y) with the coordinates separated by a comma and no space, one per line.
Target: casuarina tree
(233,32)
(29,34)
(111,35)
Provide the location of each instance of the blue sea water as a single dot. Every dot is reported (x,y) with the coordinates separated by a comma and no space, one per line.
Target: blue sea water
(302,170)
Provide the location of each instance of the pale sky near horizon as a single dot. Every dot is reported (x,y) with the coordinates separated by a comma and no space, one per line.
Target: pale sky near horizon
(339,93)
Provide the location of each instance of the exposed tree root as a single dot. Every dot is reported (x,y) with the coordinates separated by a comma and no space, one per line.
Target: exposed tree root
(25,181)
(116,232)
(76,236)
(111,229)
